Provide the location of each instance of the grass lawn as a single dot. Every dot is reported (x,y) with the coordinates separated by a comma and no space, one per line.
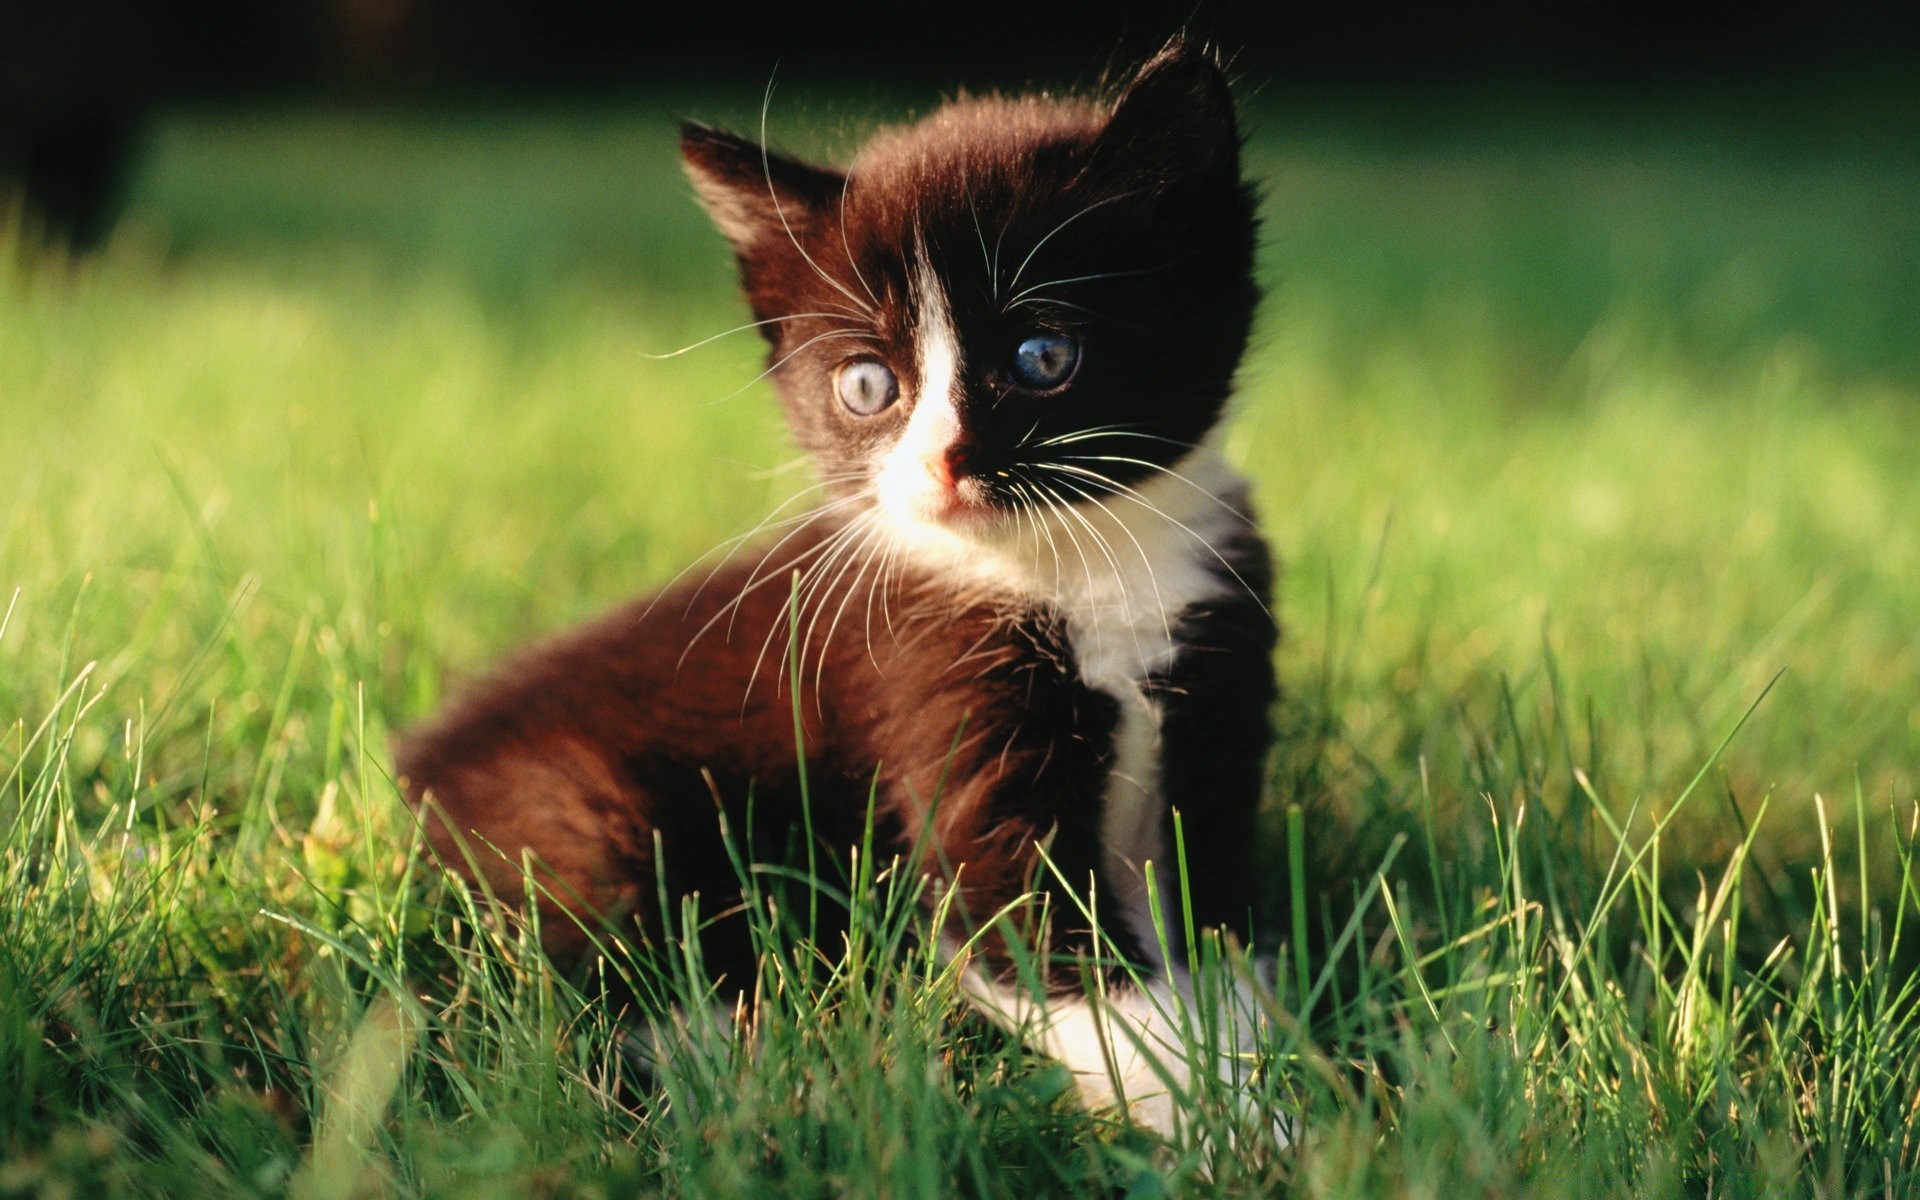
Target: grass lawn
(1585,431)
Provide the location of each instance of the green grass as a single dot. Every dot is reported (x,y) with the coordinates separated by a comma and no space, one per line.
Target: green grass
(1574,429)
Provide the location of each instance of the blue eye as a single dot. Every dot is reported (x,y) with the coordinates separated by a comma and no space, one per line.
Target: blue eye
(865,386)
(1045,360)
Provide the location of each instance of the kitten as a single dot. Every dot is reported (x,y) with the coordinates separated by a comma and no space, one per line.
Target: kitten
(1033,605)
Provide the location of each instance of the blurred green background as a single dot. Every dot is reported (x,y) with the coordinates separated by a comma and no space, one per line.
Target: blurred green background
(1577,415)
(1621,383)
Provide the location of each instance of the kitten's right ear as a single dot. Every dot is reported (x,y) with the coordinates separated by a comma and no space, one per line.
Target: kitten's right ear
(753,194)
(1175,118)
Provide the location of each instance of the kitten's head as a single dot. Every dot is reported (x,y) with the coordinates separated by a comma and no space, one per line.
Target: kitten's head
(1014,304)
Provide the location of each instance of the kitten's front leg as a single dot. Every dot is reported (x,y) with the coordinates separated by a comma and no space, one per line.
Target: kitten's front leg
(1147,1042)
(1024,906)
(1138,1042)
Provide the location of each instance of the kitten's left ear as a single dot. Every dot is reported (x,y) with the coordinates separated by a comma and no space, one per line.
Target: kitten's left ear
(1175,117)
(753,194)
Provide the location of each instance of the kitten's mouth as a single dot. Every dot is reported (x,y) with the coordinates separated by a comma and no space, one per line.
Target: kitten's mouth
(956,509)
(965,509)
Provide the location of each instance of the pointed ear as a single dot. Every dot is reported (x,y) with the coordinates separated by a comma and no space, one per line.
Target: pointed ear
(752,194)
(1175,119)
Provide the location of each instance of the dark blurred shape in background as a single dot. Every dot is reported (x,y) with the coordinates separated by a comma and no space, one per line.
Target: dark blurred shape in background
(77,76)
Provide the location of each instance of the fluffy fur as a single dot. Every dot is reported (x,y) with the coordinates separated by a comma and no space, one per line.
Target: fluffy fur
(1036,613)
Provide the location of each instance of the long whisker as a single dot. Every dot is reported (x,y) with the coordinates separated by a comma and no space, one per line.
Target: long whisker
(813,583)
(883,584)
(765,524)
(824,590)
(1146,560)
(1023,524)
(1106,431)
(988,260)
(1119,576)
(1237,514)
(1109,484)
(729,545)
(773,193)
(822,553)
(785,468)
(1097,204)
(875,543)
(788,356)
(882,579)
(846,185)
(1033,505)
(1099,543)
(708,341)
(760,574)
(1053,504)
(850,313)
(1038,288)
(756,579)
(801,521)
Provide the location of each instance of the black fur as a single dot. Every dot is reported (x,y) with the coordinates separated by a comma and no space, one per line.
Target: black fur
(1124,225)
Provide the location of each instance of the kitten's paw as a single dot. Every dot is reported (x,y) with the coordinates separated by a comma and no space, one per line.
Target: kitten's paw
(1144,1051)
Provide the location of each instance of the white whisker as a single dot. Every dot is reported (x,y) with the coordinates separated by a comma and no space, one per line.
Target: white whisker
(834,546)
(845,187)
(874,543)
(1099,543)
(788,357)
(798,578)
(1100,432)
(1038,288)
(881,578)
(767,524)
(1242,517)
(1133,494)
(708,341)
(1054,503)
(732,544)
(1097,204)
(1053,545)
(988,260)
(1146,560)
(766,169)
(756,579)
(1023,512)
(1093,606)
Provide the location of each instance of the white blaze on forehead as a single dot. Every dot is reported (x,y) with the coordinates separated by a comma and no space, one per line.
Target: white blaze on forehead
(905,479)
(935,421)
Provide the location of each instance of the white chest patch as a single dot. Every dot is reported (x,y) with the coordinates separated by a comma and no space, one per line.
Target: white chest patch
(1119,564)
(1120,573)
(1119,568)
(1158,561)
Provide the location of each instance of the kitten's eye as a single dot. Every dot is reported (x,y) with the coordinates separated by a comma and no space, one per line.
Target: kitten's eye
(865,386)
(1046,360)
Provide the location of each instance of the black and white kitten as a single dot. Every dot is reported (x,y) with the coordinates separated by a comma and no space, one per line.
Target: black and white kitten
(1033,606)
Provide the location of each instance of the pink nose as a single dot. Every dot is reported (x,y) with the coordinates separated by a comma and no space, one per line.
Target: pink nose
(950,466)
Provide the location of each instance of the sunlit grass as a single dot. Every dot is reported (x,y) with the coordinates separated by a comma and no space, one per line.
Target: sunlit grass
(1572,437)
